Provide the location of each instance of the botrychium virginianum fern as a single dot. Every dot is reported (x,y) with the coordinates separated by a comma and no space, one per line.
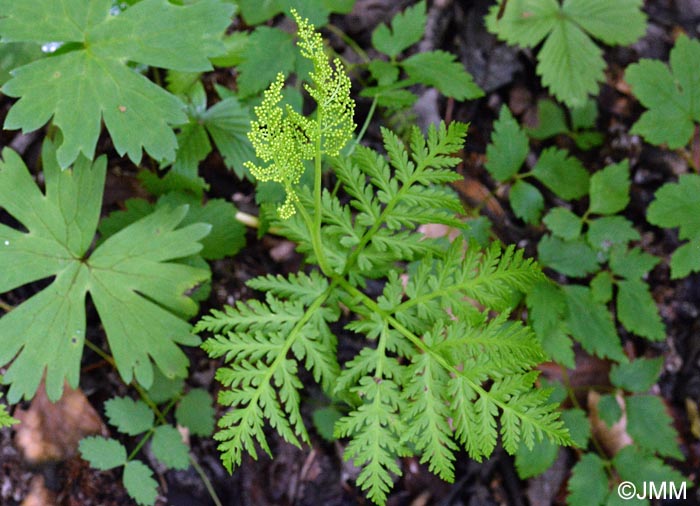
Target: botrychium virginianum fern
(443,368)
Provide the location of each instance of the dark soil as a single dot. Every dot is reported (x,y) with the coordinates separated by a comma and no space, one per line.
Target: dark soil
(317,475)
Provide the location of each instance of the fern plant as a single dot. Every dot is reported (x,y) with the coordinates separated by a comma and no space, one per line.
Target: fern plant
(439,372)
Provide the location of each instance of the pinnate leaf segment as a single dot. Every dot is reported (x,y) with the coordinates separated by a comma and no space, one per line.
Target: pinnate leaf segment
(438,373)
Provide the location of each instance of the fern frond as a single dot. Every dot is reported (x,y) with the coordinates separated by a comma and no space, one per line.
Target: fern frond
(375,432)
(427,416)
(263,344)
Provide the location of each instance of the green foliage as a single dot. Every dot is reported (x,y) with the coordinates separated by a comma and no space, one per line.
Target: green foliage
(129,416)
(317,11)
(142,417)
(437,374)
(671,95)
(90,82)
(168,447)
(638,375)
(676,205)
(133,279)
(5,419)
(552,121)
(225,123)
(283,139)
(569,62)
(195,411)
(437,69)
(561,173)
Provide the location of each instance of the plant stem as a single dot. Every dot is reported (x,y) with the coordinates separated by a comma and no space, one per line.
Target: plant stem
(365,125)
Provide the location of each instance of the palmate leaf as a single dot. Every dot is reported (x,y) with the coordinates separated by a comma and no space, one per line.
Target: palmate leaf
(671,95)
(81,87)
(569,62)
(137,289)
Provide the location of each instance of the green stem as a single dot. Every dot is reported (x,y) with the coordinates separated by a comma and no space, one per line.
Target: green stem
(418,343)
(365,125)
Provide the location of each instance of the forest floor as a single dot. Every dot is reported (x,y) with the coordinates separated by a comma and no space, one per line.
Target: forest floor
(317,475)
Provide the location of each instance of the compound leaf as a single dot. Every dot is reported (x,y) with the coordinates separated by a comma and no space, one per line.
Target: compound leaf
(82,87)
(138,292)
(268,52)
(573,258)
(672,96)
(570,63)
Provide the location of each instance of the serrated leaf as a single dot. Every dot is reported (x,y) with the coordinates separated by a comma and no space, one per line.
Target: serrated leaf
(569,62)
(129,416)
(638,375)
(195,411)
(550,121)
(637,310)
(573,258)
(439,69)
(136,288)
(672,96)
(102,453)
(227,123)
(527,201)
(676,205)
(561,173)
(407,28)
(650,425)
(638,466)
(631,263)
(269,51)
(169,449)
(82,87)
(139,483)
(588,485)
(610,189)
(563,223)
(591,324)
(547,307)
(604,233)
(602,287)
(508,148)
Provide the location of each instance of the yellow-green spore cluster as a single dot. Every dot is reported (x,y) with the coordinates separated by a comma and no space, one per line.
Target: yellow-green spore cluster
(283,138)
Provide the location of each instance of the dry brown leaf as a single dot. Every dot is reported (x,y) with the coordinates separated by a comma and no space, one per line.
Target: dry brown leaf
(612,439)
(51,431)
